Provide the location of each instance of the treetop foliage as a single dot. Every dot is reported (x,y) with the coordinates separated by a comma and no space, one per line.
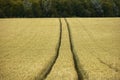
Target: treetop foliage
(59,8)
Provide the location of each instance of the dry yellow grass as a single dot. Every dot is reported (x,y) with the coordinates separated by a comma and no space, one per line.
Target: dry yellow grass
(96,43)
(27,47)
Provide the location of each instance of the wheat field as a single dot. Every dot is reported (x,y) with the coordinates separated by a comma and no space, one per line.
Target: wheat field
(27,51)
(97,47)
(60,49)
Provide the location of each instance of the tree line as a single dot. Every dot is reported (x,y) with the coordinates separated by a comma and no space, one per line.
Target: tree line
(59,8)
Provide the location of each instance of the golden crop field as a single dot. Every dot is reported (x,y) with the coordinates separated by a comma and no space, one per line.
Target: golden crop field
(27,48)
(96,44)
(60,49)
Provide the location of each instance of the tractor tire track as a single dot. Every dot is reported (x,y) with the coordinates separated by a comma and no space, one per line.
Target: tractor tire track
(109,66)
(64,67)
(77,66)
(50,66)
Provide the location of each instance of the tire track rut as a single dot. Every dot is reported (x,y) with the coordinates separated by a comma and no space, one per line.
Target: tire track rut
(77,68)
(49,68)
(64,68)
